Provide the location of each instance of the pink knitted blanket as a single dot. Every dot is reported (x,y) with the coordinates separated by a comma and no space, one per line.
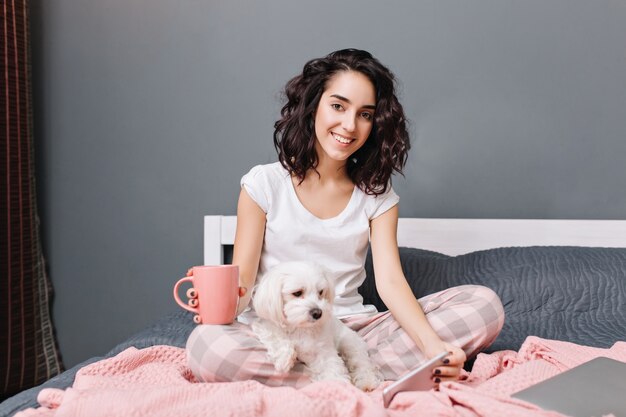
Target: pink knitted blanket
(156,382)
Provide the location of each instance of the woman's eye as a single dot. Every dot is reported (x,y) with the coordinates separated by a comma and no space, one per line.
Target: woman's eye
(367,116)
(297,294)
(336,106)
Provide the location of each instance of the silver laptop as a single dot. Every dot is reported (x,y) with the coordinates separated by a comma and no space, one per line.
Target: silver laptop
(594,388)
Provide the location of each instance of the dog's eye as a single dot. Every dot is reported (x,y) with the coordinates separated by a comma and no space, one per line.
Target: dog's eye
(297,294)
(321,292)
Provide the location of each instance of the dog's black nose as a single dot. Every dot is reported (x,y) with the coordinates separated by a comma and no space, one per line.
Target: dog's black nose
(316,313)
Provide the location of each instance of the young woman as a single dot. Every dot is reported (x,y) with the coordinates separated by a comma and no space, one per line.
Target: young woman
(341,136)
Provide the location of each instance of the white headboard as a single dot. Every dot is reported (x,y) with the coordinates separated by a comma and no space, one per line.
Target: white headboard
(459,236)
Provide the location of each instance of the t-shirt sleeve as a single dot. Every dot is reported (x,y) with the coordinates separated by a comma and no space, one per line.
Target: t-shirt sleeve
(256,185)
(384,202)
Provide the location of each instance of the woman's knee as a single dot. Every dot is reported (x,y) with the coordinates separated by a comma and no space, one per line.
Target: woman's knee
(489,302)
(489,308)
(232,353)
(218,353)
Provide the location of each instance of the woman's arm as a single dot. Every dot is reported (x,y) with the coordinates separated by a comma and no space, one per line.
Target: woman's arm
(248,244)
(398,296)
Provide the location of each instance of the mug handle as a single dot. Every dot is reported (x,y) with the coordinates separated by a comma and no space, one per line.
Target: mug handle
(178,300)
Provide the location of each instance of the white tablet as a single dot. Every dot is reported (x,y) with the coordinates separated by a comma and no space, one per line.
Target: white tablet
(418,379)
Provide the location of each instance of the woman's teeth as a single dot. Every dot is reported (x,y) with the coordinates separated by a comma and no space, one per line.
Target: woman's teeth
(341,139)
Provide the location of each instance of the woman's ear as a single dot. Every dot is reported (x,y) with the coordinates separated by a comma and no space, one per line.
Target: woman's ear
(268,298)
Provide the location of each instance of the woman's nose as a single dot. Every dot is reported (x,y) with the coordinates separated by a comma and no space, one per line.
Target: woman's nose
(348,123)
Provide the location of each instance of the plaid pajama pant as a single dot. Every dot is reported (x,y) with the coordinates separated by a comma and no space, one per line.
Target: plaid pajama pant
(468,316)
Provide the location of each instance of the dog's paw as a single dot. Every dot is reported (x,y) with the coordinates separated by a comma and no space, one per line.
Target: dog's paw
(332,370)
(367,379)
(284,360)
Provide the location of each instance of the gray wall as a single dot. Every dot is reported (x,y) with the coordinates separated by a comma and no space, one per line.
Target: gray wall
(149,111)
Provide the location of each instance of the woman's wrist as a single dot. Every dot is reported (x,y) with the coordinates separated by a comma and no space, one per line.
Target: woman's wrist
(433,347)
(428,342)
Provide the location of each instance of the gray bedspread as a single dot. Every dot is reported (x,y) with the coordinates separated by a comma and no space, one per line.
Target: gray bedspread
(564,293)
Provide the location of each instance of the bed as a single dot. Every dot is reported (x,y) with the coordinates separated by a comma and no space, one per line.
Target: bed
(559,280)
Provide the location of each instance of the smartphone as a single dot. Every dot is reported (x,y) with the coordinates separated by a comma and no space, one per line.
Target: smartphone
(418,379)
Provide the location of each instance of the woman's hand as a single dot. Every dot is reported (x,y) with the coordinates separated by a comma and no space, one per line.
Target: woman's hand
(453,363)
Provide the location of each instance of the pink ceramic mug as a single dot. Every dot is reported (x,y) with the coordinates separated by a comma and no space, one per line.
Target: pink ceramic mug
(215,293)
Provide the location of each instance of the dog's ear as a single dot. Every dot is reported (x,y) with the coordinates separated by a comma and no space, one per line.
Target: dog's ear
(330,281)
(268,298)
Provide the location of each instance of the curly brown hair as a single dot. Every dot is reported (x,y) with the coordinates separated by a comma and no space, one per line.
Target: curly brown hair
(386,148)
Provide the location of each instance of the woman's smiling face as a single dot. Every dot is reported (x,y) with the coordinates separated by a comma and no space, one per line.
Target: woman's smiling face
(345,115)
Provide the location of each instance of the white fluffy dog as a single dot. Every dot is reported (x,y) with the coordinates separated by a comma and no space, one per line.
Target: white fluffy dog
(294,304)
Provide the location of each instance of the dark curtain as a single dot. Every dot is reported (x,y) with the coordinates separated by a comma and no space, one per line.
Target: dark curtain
(28,349)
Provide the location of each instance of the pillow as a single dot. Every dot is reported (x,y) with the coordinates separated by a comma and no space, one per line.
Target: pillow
(575,294)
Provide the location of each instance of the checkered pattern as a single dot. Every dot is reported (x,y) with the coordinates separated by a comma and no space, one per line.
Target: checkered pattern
(468,316)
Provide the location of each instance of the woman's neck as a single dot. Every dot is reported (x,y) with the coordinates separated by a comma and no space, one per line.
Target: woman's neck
(326,189)
(329,169)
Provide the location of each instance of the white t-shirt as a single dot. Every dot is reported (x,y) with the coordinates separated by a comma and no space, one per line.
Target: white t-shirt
(292,233)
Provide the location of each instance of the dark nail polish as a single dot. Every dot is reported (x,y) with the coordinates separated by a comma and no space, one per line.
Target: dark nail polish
(446,361)
(437,371)
(437,380)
